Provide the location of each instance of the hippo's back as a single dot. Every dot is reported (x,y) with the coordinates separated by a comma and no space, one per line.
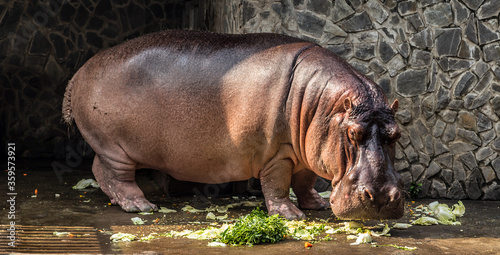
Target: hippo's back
(179,46)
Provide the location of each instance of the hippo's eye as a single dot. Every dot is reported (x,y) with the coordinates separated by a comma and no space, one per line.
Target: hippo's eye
(355,133)
(352,134)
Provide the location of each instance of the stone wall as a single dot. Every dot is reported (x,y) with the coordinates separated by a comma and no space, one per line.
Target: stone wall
(43,43)
(438,57)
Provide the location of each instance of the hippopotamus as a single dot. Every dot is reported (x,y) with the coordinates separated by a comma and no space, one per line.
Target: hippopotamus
(215,108)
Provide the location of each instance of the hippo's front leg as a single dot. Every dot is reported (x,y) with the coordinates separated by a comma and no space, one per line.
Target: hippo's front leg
(275,180)
(117,180)
(303,187)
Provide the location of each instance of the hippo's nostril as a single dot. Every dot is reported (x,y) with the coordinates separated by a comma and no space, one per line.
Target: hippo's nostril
(396,196)
(369,194)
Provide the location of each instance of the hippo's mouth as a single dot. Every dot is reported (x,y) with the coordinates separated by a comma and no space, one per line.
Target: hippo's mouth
(384,211)
(351,203)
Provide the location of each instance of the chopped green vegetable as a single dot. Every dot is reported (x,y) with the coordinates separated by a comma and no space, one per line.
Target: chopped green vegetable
(181,233)
(61,233)
(352,237)
(334,231)
(207,234)
(363,238)
(251,203)
(432,206)
(425,221)
(211,216)
(406,248)
(216,244)
(85,183)
(137,221)
(149,237)
(458,209)
(300,230)
(353,225)
(122,237)
(257,227)
(384,232)
(166,210)
(191,209)
(325,194)
(401,226)
(444,214)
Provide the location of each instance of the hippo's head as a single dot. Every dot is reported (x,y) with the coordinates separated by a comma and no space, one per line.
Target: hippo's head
(345,130)
(368,186)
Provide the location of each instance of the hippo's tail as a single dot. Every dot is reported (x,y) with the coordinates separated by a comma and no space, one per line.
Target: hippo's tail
(67,112)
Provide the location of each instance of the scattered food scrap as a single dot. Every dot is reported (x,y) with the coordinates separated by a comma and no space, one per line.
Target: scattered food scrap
(363,238)
(212,216)
(406,248)
(216,244)
(425,221)
(441,214)
(166,210)
(401,226)
(325,194)
(138,221)
(85,183)
(123,237)
(56,233)
(191,209)
(385,231)
(307,231)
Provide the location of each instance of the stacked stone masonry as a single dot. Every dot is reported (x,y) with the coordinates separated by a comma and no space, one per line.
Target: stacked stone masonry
(44,42)
(439,58)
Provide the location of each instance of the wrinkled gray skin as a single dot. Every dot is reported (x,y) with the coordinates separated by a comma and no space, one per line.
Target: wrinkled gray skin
(217,108)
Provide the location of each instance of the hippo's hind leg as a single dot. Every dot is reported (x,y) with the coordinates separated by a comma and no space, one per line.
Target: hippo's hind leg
(303,187)
(117,180)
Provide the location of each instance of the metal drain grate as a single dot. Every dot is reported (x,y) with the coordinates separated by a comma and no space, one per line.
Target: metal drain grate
(41,239)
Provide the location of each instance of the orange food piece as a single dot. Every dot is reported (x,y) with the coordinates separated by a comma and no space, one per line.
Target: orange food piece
(308,245)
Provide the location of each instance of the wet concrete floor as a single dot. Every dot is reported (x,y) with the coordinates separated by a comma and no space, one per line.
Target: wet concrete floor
(46,205)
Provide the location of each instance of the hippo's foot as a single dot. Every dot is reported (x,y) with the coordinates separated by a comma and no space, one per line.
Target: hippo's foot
(117,180)
(285,208)
(137,204)
(129,197)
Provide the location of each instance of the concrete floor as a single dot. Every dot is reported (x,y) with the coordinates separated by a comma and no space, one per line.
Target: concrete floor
(88,217)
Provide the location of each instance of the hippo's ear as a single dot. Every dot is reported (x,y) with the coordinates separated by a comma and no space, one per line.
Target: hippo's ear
(395,106)
(347,104)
